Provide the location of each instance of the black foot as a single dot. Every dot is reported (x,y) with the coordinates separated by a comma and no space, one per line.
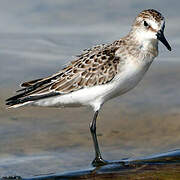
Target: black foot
(99,161)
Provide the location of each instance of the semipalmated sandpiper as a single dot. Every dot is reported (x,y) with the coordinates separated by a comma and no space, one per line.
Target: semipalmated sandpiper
(99,73)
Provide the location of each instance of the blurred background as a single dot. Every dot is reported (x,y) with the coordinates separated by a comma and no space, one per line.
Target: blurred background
(37,38)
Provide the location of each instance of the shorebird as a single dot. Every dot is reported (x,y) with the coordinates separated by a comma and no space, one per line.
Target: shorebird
(100,73)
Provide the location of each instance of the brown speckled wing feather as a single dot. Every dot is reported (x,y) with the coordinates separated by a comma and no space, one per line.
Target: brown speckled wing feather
(95,66)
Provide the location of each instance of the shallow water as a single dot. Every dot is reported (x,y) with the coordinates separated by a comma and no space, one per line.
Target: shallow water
(46,36)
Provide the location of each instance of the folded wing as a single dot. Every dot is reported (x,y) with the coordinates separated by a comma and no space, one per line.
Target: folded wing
(95,66)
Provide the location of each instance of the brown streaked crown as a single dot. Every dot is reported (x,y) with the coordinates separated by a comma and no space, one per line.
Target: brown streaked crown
(151,13)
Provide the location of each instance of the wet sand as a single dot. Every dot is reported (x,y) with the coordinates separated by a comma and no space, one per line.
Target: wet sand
(46,140)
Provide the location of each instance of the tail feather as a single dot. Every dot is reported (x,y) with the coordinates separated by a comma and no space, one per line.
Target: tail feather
(17,101)
(32,91)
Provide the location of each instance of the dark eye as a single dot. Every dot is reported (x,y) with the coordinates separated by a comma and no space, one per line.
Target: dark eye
(146,24)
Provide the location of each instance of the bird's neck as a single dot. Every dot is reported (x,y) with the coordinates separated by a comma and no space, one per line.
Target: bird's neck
(149,47)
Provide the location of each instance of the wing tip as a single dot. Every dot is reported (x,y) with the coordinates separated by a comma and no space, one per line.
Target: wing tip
(10,106)
(17,101)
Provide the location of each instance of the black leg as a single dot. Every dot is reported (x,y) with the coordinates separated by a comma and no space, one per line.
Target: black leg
(98,161)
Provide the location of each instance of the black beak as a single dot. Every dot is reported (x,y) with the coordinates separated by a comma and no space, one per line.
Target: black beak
(160,36)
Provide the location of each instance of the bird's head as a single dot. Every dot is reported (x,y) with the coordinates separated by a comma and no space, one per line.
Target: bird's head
(149,26)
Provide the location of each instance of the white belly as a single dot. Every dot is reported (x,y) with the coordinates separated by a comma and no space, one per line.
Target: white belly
(130,77)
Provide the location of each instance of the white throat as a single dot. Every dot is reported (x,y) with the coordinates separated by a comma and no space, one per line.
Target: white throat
(145,42)
(149,45)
